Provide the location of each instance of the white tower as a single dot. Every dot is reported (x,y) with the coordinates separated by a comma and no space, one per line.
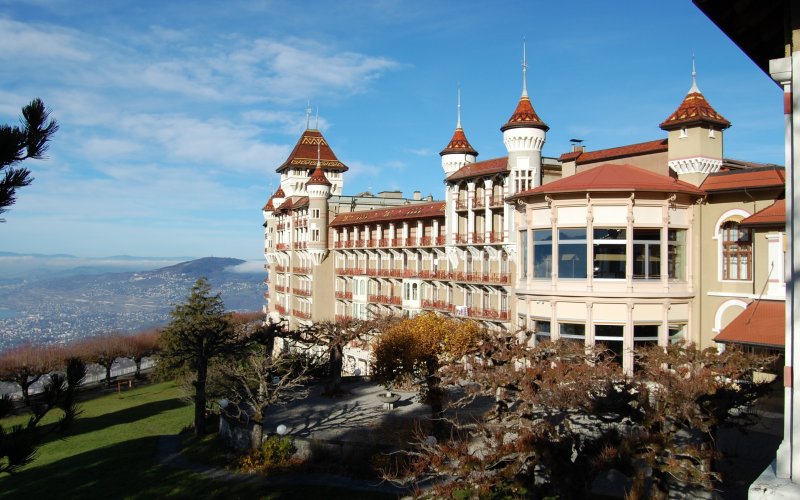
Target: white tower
(524,135)
(458,151)
(318,188)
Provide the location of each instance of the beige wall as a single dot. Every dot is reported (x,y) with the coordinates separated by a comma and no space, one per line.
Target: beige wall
(656,162)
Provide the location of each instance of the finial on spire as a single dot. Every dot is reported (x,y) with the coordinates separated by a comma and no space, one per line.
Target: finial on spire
(318,161)
(458,123)
(316,120)
(524,70)
(694,88)
(308,114)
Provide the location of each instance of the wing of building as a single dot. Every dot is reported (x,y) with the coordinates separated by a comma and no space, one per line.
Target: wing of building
(632,245)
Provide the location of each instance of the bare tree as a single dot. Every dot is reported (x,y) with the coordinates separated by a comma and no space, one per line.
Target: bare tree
(565,413)
(27,364)
(103,349)
(141,345)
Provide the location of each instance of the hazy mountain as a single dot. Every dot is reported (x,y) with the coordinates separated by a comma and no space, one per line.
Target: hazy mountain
(61,308)
(16,267)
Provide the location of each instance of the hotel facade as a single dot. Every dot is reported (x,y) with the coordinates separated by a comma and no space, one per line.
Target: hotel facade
(647,243)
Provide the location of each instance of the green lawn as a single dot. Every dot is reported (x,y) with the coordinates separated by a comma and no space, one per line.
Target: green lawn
(110,452)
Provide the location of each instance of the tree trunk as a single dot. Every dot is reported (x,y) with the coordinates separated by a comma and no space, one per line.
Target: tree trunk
(25,384)
(108,373)
(138,374)
(256,436)
(335,361)
(200,400)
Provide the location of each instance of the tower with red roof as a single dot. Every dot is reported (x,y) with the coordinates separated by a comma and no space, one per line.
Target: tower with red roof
(695,136)
(458,152)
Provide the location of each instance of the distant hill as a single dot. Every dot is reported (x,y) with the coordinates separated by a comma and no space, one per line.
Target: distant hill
(62,308)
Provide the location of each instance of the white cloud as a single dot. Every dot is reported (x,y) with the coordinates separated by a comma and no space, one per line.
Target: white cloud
(23,43)
(251,266)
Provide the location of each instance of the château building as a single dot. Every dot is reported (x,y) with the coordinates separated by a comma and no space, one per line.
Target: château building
(632,245)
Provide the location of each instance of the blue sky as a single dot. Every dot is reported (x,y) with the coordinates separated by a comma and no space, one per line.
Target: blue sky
(174,115)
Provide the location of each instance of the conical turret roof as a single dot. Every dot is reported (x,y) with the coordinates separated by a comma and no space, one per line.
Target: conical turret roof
(279,193)
(459,144)
(304,154)
(269,207)
(694,110)
(524,116)
(318,178)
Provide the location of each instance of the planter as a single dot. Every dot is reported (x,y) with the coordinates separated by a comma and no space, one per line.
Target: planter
(388,399)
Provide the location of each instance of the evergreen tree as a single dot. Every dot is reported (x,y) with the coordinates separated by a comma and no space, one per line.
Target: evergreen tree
(199,332)
(21,143)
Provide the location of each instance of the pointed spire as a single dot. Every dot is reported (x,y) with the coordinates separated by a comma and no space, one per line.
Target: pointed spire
(524,71)
(308,114)
(459,142)
(458,122)
(318,149)
(694,87)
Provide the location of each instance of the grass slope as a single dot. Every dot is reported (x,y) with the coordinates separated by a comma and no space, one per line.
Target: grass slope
(111,452)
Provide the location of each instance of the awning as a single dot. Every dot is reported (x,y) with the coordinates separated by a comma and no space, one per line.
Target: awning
(762,323)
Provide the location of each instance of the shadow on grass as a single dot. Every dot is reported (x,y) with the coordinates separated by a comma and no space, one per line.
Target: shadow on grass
(129,470)
(84,425)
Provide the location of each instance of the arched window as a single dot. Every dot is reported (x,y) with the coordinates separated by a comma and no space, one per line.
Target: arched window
(737,251)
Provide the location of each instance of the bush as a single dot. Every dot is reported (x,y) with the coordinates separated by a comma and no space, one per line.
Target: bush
(275,452)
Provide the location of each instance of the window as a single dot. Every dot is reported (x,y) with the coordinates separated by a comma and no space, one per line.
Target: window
(542,253)
(572,331)
(315,235)
(646,253)
(736,252)
(572,253)
(523,246)
(315,213)
(610,337)
(676,254)
(676,332)
(541,327)
(609,253)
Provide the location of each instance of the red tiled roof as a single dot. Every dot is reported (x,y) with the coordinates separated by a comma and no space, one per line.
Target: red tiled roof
(485,167)
(304,154)
(610,177)
(459,144)
(773,215)
(569,156)
(292,203)
(763,323)
(766,177)
(642,148)
(279,193)
(524,116)
(269,207)
(694,110)
(405,212)
(318,178)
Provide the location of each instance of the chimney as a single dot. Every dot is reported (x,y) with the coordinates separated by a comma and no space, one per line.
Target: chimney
(417,195)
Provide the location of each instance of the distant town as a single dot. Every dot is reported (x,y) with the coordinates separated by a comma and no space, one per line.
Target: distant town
(67,308)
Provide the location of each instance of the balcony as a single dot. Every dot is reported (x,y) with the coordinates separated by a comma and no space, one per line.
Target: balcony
(360,243)
(496,238)
(371,271)
(461,239)
(441,240)
(461,205)
(385,242)
(280,269)
(281,288)
(479,202)
(282,246)
(306,292)
(338,244)
(478,238)
(343,317)
(301,314)
(299,244)
(487,314)
(344,295)
(301,270)
(373,243)
(280,309)
(281,226)
(438,305)
(497,201)
(386,299)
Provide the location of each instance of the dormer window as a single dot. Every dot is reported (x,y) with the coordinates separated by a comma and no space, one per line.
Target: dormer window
(684,134)
(711,133)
